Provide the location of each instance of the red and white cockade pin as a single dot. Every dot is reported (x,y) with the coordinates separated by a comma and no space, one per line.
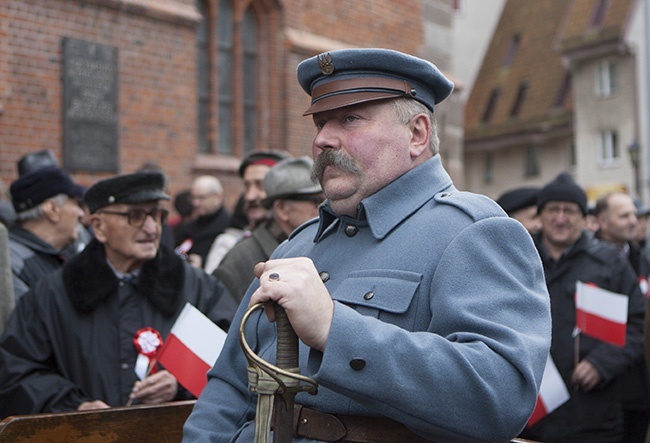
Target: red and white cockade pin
(148,342)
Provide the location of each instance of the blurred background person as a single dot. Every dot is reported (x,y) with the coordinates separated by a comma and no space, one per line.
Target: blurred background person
(590,368)
(521,204)
(252,170)
(618,223)
(210,219)
(7,299)
(44,158)
(47,208)
(292,199)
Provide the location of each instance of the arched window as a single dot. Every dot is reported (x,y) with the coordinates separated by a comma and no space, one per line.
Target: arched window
(225,75)
(249,35)
(203,77)
(233,69)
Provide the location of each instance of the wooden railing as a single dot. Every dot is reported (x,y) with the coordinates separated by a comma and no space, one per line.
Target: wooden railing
(137,424)
(159,424)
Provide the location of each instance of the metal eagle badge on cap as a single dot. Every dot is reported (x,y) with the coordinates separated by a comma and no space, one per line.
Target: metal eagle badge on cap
(325,63)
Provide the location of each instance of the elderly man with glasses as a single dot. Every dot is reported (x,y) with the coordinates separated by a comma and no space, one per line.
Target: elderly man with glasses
(74,341)
(590,368)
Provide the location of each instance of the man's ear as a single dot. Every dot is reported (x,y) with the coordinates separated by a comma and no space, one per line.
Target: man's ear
(420,127)
(280,210)
(97,225)
(51,210)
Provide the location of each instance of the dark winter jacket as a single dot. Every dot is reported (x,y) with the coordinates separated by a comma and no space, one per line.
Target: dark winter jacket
(236,269)
(202,231)
(595,415)
(31,259)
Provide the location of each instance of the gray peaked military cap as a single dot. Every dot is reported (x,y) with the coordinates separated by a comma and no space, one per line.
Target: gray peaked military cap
(348,77)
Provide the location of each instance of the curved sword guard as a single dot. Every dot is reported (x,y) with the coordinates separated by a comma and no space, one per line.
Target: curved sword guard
(276,386)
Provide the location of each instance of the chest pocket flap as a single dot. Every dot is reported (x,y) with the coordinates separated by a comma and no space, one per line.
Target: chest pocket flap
(388,290)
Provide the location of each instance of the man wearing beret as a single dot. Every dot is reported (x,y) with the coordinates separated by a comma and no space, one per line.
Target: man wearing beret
(46,201)
(70,343)
(590,368)
(521,204)
(421,310)
(292,198)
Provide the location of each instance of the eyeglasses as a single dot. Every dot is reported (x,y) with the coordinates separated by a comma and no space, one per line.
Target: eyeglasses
(568,211)
(137,216)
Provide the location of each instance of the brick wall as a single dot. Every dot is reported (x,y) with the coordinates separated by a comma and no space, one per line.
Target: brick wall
(157,79)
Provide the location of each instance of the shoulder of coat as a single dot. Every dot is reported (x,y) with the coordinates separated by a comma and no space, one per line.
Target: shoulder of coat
(476,206)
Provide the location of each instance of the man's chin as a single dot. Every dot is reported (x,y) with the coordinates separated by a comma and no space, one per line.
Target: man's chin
(147,251)
(257,216)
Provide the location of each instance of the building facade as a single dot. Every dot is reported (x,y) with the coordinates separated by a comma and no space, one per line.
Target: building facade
(189,85)
(563,87)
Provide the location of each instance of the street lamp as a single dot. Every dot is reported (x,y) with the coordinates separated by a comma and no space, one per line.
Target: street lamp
(634,151)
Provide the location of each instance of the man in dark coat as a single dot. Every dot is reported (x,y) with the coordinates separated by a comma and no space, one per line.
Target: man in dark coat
(211,218)
(47,218)
(592,377)
(69,344)
(616,214)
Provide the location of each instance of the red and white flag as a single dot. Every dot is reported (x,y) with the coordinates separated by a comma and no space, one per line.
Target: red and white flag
(193,345)
(552,393)
(601,314)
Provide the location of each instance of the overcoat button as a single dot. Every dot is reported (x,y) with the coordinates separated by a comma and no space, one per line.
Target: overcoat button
(351,230)
(357,364)
(324,276)
(125,366)
(368,295)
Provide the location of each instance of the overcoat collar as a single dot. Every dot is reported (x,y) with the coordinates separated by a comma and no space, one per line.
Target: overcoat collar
(89,280)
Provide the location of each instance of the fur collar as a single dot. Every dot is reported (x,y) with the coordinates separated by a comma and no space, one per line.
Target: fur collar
(88,280)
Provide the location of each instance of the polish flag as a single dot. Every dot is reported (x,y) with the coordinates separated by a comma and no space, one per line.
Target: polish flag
(601,314)
(193,345)
(552,393)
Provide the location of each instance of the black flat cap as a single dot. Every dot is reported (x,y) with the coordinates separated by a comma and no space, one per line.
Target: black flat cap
(138,187)
(519,198)
(35,187)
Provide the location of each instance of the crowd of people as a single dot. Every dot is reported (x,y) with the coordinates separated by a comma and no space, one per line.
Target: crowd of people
(423,313)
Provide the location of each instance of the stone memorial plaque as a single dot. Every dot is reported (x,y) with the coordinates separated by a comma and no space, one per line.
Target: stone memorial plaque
(90,137)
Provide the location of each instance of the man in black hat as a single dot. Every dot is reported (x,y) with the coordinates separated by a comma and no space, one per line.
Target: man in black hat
(47,208)
(34,161)
(590,368)
(521,204)
(292,198)
(71,342)
(421,310)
